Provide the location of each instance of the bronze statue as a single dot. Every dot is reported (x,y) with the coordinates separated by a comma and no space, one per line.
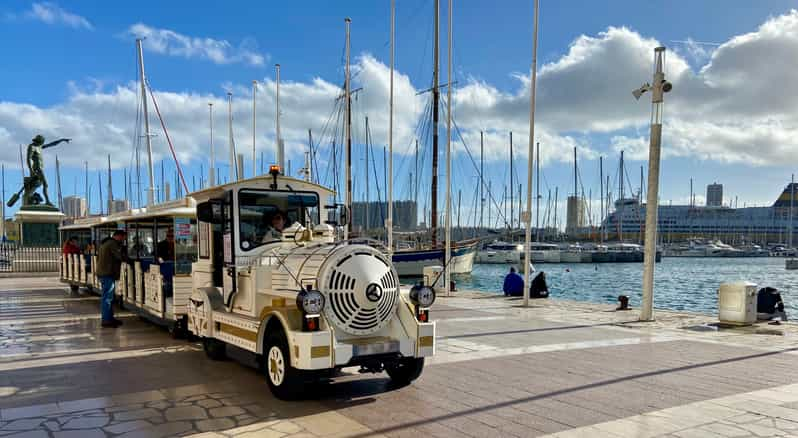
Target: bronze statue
(36,178)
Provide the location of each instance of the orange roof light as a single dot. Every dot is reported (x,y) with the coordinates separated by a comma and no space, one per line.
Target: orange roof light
(274,169)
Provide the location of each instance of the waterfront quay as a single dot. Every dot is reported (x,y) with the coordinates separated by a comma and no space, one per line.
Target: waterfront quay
(557,368)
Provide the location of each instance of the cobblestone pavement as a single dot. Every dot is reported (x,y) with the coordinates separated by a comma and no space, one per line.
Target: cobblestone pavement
(560,368)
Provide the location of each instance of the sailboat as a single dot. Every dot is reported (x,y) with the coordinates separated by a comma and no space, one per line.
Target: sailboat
(411,262)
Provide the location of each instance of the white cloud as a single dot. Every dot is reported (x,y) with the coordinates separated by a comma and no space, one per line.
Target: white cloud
(51,13)
(737,108)
(169,42)
(102,122)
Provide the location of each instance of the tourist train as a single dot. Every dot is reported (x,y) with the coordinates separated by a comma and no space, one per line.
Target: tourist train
(304,300)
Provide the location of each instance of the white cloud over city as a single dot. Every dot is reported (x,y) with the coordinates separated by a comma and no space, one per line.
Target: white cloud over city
(737,107)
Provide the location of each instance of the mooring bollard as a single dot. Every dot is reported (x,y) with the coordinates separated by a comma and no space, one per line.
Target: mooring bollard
(623,302)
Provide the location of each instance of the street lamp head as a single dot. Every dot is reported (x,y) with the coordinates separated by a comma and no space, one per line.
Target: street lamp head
(666,86)
(639,92)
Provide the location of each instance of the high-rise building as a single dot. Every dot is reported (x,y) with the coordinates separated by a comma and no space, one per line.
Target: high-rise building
(404,214)
(715,195)
(119,205)
(74,206)
(575,214)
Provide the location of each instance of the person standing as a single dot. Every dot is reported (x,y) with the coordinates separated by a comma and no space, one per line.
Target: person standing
(109,264)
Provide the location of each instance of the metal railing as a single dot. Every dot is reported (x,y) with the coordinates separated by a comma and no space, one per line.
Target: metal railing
(18,258)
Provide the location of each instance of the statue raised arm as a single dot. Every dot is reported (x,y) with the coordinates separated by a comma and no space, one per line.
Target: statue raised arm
(36,178)
(54,143)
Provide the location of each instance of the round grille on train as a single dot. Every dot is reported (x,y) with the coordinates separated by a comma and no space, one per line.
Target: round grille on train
(361,289)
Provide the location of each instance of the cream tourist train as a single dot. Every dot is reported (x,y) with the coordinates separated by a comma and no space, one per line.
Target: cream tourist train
(255,266)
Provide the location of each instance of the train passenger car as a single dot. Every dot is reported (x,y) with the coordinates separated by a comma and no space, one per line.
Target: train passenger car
(76,268)
(161,247)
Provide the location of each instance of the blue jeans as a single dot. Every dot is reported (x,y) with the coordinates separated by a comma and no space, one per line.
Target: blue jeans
(107,299)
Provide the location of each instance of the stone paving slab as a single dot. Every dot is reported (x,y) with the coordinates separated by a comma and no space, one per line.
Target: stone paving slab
(500,370)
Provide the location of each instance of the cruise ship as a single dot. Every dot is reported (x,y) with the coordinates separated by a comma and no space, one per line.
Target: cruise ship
(717,222)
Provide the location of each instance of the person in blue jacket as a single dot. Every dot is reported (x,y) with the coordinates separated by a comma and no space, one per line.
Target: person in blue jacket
(513,284)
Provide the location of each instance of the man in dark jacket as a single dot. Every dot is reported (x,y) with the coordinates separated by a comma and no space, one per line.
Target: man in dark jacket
(513,284)
(109,264)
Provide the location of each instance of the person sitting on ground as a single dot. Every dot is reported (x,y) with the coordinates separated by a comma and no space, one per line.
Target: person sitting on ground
(513,284)
(769,304)
(70,247)
(539,288)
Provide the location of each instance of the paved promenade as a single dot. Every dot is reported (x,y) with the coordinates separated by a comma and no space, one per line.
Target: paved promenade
(558,369)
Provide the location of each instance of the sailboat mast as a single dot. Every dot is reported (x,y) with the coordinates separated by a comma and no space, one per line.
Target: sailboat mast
(151,189)
(537,190)
(528,234)
(212,167)
(58,180)
(576,172)
(448,225)
(86,189)
(435,104)
(348,123)
(389,221)
(601,198)
(512,210)
(280,150)
(620,201)
(110,188)
(481,178)
(233,167)
(254,157)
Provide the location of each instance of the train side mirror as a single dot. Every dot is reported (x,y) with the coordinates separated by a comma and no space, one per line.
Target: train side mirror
(210,212)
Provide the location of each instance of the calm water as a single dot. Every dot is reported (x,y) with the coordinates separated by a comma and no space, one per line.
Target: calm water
(679,283)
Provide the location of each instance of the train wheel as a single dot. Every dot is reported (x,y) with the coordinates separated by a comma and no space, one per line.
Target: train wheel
(404,371)
(283,379)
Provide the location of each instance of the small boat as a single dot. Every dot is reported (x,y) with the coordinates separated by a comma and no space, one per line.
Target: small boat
(791,264)
(541,252)
(501,252)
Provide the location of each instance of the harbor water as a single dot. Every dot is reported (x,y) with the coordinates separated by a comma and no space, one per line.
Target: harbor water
(680,283)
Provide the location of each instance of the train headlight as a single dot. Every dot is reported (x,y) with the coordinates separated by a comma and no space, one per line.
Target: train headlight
(310,302)
(422,296)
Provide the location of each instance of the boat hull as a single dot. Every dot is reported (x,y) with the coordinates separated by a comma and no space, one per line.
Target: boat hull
(411,263)
(502,257)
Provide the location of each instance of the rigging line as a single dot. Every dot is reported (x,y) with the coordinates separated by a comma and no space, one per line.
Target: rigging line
(500,214)
(136,128)
(332,165)
(168,139)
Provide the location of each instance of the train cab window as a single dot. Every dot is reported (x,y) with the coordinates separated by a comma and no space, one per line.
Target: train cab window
(264,214)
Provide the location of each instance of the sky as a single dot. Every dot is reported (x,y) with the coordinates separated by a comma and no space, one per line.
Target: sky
(71,71)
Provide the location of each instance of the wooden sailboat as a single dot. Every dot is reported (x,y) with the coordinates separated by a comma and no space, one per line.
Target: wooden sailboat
(411,262)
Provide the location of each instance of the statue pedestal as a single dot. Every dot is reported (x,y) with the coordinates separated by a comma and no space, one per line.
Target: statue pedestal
(38,227)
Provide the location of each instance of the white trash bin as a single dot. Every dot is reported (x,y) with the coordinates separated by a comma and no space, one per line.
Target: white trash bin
(737,303)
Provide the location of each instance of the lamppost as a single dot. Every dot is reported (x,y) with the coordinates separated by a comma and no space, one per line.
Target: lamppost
(658,88)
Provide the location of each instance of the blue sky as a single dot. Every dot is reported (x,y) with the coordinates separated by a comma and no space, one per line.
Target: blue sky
(64,49)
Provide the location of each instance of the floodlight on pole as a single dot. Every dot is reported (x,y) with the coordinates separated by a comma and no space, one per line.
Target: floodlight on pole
(658,87)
